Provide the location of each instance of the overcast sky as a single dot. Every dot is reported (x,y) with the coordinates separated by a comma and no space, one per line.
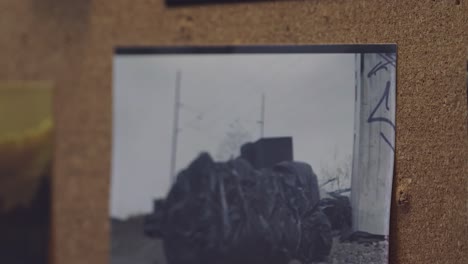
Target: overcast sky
(308,96)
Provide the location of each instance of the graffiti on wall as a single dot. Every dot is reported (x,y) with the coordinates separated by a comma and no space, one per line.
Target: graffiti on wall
(388,61)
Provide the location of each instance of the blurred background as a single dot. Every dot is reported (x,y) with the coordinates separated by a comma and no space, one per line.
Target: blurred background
(26,143)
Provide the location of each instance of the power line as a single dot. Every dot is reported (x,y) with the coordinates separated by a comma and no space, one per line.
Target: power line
(235,104)
(178,106)
(219,116)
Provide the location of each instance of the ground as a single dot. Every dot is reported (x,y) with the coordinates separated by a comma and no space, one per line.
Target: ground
(130,246)
(376,253)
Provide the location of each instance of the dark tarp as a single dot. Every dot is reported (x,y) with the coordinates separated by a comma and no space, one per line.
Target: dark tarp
(230,213)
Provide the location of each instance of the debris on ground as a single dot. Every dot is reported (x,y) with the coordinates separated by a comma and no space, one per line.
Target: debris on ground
(354,252)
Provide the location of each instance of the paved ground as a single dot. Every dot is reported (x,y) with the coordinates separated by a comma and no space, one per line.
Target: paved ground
(130,246)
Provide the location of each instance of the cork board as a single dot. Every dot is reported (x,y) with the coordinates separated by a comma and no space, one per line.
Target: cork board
(71,43)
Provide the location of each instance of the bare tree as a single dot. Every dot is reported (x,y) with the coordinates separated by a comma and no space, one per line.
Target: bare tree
(233,140)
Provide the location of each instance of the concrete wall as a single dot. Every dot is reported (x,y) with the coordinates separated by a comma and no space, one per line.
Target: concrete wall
(374,141)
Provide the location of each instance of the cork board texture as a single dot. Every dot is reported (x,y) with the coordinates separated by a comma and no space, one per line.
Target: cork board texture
(71,43)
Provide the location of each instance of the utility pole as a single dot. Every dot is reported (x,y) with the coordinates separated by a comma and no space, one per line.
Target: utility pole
(262,117)
(175,128)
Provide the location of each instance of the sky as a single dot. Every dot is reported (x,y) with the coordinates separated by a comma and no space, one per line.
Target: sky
(309,97)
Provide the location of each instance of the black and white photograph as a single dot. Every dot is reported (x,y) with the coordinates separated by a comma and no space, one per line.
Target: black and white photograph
(252,154)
